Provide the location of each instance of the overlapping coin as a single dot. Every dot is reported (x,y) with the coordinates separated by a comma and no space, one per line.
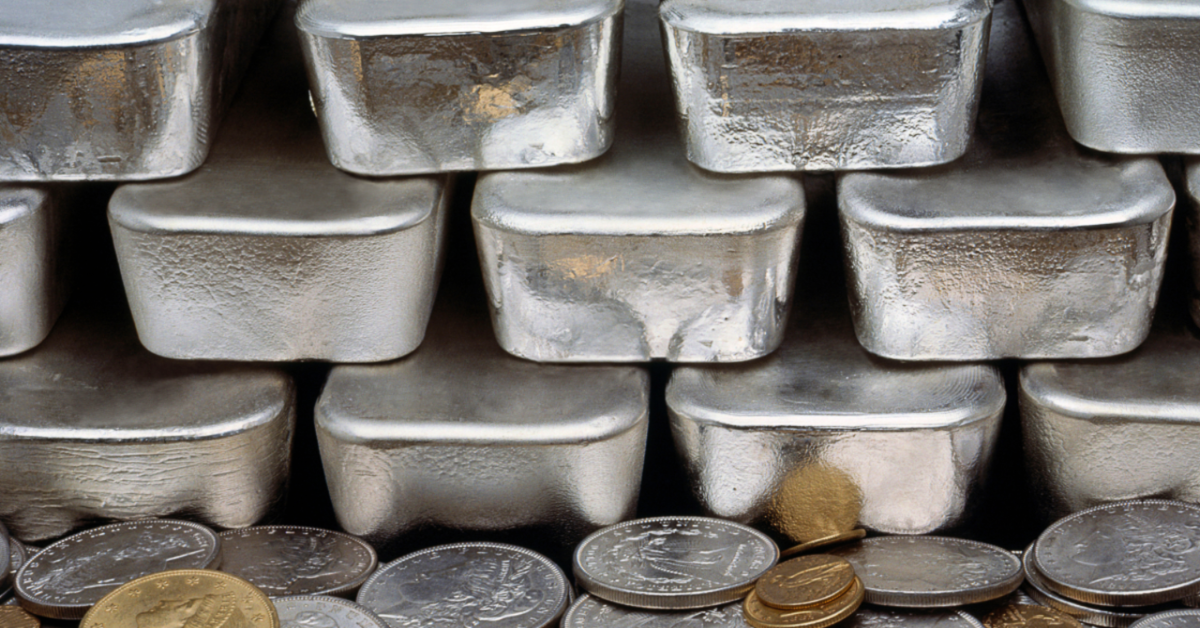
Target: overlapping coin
(1029,616)
(805,581)
(17,617)
(293,560)
(1188,618)
(829,541)
(590,611)
(1091,615)
(321,611)
(187,598)
(827,613)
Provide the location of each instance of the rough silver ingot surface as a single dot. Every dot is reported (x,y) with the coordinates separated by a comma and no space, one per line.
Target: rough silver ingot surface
(270,253)
(293,560)
(65,579)
(1193,229)
(592,612)
(673,563)
(868,616)
(118,89)
(1126,72)
(1028,247)
(1099,431)
(765,85)
(638,255)
(811,440)
(468,585)
(317,611)
(1110,617)
(1170,619)
(32,288)
(101,429)
(409,87)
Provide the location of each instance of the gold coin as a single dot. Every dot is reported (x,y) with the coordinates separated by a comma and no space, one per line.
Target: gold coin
(828,541)
(17,617)
(805,581)
(815,501)
(1029,616)
(186,598)
(760,615)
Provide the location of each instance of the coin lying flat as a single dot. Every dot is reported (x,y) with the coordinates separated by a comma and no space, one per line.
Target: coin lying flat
(6,573)
(1123,554)
(293,560)
(804,581)
(673,563)
(821,543)
(1093,616)
(17,617)
(882,617)
(1029,616)
(760,615)
(184,598)
(468,585)
(16,559)
(1170,619)
(64,580)
(931,571)
(319,611)
(590,611)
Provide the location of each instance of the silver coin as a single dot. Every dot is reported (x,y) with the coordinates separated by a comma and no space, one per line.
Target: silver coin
(1124,554)
(320,611)
(16,558)
(466,585)
(1170,619)
(292,560)
(64,580)
(931,571)
(881,617)
(1095,616)
(6,562)
(592,612)
(673,563)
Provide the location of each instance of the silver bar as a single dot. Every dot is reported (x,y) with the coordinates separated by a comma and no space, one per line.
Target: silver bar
(1028,247)
(639,254)
(1193,229)
(32,285)
(411,87)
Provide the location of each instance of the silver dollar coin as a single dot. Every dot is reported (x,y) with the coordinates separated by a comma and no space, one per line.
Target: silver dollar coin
(1170,619)
(1092,615)
(319,611)
(6,562)
(291,560)
(673,563)
(16,558)
(880,617)
(64,580)
(1123,554)
(931,571)
(592,612)
(466,585)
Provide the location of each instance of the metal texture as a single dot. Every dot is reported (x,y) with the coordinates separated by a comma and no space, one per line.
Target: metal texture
(1029,616)
(118,89)
(1092,615)
(592,612)
(316,611)
(32,286)
(17,555)
(810,441)
(767,85)
(1193,229)
(103,430)
(760,615)
(880,617)
(409,87)
(1170,619)
(804,581)
(191,598)
(1028,247)
(1126,72)
(1099,431)
(270,253)
(638,255)
(292,560)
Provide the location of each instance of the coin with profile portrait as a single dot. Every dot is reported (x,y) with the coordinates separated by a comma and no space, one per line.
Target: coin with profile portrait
(322,611)
(185,598)
(295,560)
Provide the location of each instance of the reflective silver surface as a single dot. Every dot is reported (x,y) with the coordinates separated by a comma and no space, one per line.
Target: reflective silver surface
(638,255)
(1108,617)
(1170,619)
(1028,247)
(32,288)
(118,89)
(1193,229)
(1126,72)
(316,611)
(410,87)
(270,253)
(294,560)
(592,612)
(102,429)
(766,85)
(820,436)
(868,616)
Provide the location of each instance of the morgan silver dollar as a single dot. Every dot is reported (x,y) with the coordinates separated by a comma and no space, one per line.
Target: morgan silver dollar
(320,611)
(293,560)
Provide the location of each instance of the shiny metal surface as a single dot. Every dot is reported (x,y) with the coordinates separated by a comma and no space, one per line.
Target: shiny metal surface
(102,430)
(764,85)
(820,437)
(17,555)
(1193,229)
(408,87)
(1170,619)
(32,288)
(592,612)
(1028,247)
(317,611)
(1126,72)
(118,89)
(881,617)
(270,253)
(1110,617)
(294,560)
(638,255)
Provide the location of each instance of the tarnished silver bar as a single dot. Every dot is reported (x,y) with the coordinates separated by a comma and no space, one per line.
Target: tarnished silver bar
(100,429)
(766,85)
(1193,229)
(412,87)
(639,254)
(1028,247)
(821,437)
(1126,72)
(270,253)
(32,285)
(118,89)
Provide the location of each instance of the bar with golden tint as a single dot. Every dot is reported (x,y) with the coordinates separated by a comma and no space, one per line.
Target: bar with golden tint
(32,278)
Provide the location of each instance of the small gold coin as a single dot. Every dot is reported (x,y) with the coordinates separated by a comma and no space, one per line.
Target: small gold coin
(828,541)
(1029,616)
(17,617)
(805,581)
(186,598)
(760,615)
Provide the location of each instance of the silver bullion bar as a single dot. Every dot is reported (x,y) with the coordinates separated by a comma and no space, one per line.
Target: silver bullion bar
(765,85)
(1028,247)
(1193,229)
(32,281)
(413,87)
(103,430)
(118,89)
(1126,72)
(270,253)
(638,255)
(820,437)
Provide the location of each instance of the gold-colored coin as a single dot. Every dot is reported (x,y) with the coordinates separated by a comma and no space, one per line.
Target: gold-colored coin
(186,598)
(821,543)
(760,615)
(805,581)
(815,501)
(17,617)
(1029,616)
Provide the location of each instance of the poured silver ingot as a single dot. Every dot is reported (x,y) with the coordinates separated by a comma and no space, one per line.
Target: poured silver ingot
(820,436)
(411,87)
(99,429)
(1193,229)
(1115,429)
(639,254)
(32,288)
(118,89)
(1028,247)
(270,253)
(765,85)
(1126,72)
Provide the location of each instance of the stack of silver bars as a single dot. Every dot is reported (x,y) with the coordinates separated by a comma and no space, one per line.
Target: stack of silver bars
(640,197)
